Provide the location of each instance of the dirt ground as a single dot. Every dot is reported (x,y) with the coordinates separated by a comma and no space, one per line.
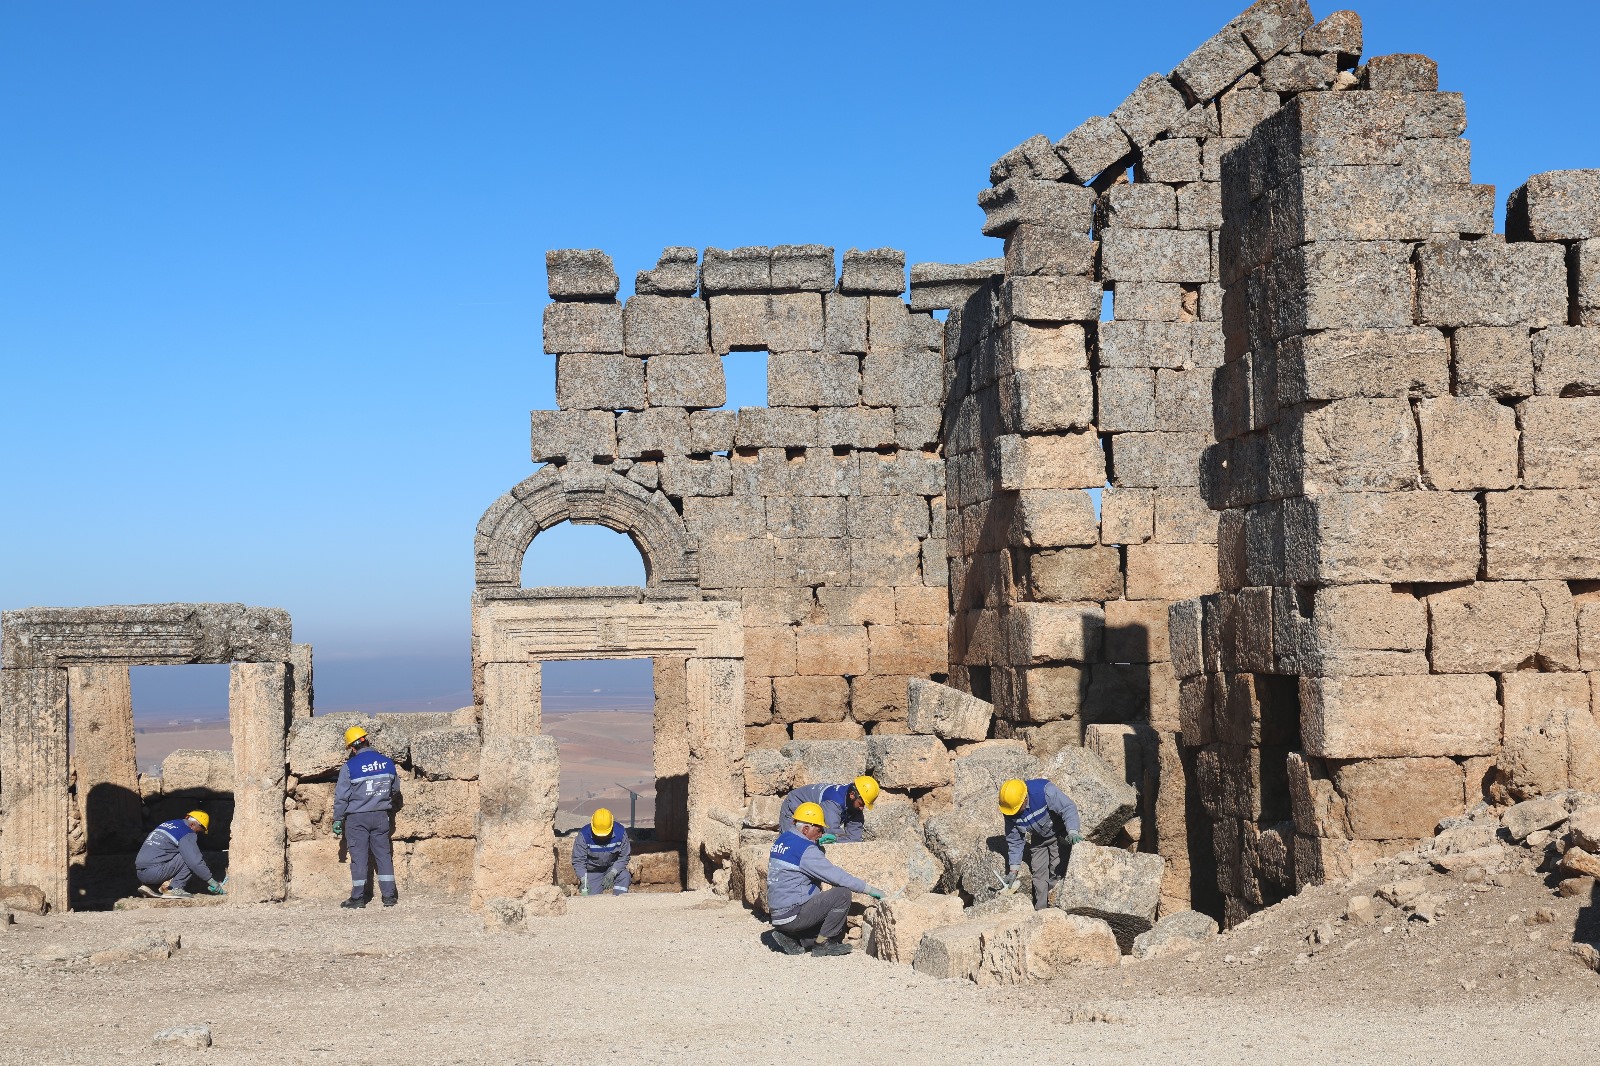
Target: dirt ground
(686,978)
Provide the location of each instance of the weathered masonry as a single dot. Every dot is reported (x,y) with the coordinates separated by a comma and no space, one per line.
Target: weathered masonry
(1302,538)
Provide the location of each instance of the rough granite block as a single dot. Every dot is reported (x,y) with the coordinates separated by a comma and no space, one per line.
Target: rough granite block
(1468,443)
(802,268)
(1560,442)
(655,431)
(686,381)
(736,270)
(1339,34)
(1025,202)
(1121,888)
(1566,361)
(1155,255)
(785,323)
(1049,298)
(1489,283)
(582,327)
(580,274)
(814,379)
(1174,160)
(574,435)
(1149,111)
(1494,361)
(1401,73)
(1045,249)
(1145,205)
(1095,145)
(1542,533)
(876,272)
(1214,66)
(599,381)
(665,325)
(677,273)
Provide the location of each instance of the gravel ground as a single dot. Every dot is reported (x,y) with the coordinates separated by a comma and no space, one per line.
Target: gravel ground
(685,978)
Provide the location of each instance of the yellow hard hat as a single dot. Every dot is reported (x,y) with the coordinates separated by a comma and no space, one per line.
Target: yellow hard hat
(1012,796)
(353,734)
(867,789)
(810,814)
(202,817)
(602,822)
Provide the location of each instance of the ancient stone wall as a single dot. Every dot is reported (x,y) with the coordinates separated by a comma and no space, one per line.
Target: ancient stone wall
(821,513)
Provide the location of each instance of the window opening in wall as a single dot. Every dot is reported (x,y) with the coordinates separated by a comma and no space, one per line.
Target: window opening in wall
(601,713)
(569,554)
(746,376)
(1107,304)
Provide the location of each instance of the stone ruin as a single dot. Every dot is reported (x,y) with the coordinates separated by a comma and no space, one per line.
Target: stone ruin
(1339,583)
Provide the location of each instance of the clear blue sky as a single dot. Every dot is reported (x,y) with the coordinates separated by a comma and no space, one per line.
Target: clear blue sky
(270,297)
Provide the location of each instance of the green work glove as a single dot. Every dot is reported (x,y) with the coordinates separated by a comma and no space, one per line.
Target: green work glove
(338,827)
(215,889)
(875,893)
(826,838)
(583,886)
(1074,837)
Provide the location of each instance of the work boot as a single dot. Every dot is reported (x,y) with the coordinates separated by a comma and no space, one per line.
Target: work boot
(390,901)
(177,893)
(353,904)
(787,944)
(146,890)
(832,947)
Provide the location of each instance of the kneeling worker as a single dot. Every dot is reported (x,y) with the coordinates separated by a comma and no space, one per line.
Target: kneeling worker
(172,853)
(1039,813)
(368,787)
(600,856)
(841,808)
(801,909)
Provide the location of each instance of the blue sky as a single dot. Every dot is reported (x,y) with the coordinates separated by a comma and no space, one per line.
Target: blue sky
(269,308)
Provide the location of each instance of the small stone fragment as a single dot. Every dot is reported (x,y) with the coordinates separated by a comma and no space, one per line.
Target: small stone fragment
(194,1037)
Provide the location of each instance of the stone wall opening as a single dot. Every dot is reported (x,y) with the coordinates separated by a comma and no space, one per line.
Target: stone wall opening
(602,714)
(747,379)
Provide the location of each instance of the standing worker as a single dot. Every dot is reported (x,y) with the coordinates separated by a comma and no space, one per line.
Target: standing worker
(172,853)
(802,911)
(841,808)
(600,856)
(369,787)
(1040,814)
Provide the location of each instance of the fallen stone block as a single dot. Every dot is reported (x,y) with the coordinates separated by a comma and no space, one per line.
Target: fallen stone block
(1119,887)
(25,899)
(825,761)
(962,837)
(899,925)
(1175,934)
(892,818)
(543,901)
(893,866)
(193,1037)
(956,951)
(908,761)
(1043,947)
(763,811)
(1105,801)
(1526,817)
(142,949)
(1583,828)
(188,773)
(947,713)
(978,770)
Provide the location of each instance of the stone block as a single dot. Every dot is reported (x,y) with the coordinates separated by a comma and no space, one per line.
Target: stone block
(1488,283)
(1127,515)
(1104,799)
(1149,111)
(599,381)
(1542,533)
(685,381)
(908,649)
(785,323)
(875,271)
(1356,537)
(775,427)
(1121,888)
(1054,632)
(1559,205)
(825,761)
(194,773)
(1051,518)
(739,270)
(1485,627)
(1391,203)
(908,762)
(437,809)
(1397,799)
(1346,444)
(1175,934)
(1093,146)
(677,273)
(580,274)
(582,327)
(1340,285)
(1156,255)
(1021,204)
(802,268)
(946,712)
(1214,66)
(1241,110)
(518,786)
(1136,631)
(828,730)
(1175,345)
(1495,361)
(663,325)
(1339,34)
(1140,206)
(830,650)
(1397,717)
(899,925)
(1299,73)
(576,435)
(1051,298)
(316,745)
(1148,301)
(1566,361)
(810,698)
(1052,249)
(901,379)
(655,431)
(1340,363)
(1047,401)
(945,286)
(1170,571)
(1127,400)
(1090,573)
(1468,443)
(814,379)
(1547,724)
(1066,461)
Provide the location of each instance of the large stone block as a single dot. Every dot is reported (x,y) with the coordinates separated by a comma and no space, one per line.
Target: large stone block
(1560,442)
(1390,203)
(1468,443)
(802,268)
(1364,630)
(1215,65)
(1355,537)
(1346,445)
(1093,146)
(1175,934)
(677,273)
(440,867)
(575,435)
(1559,205)
(1566,361)
(582,327)
(1170,571)
(1396,717)
(898,925)
(258,707)
(817,698)
(186,772)
(1149,111)
(908,762)
(946,712)
(1091,573)
(893,866)
(1399,799)
(1157,460)
(814,379)
(580,274)
(1156,255)
(1489,626)
(787,323)
(316,745)
(1121,888)
(875,271)
(1550,734)
(1488,283)
(1495,361)
(599,381)
(437,809)
(1542,533)
(1340,363)
(1054,632)
(825,761)
(1067,461)
(518,780)
(1105,801)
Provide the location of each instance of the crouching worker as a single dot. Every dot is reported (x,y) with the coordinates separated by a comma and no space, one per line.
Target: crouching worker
(600,856)
(172,853)
(803,912)
(1038,814)
(369,786)
(842,807)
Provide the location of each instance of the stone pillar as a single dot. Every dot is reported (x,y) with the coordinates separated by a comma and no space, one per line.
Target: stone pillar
(511,705)
(518,787)
(302,696)
(258,713)
(671,749)
(716,748)
(34,808)
(100,703)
